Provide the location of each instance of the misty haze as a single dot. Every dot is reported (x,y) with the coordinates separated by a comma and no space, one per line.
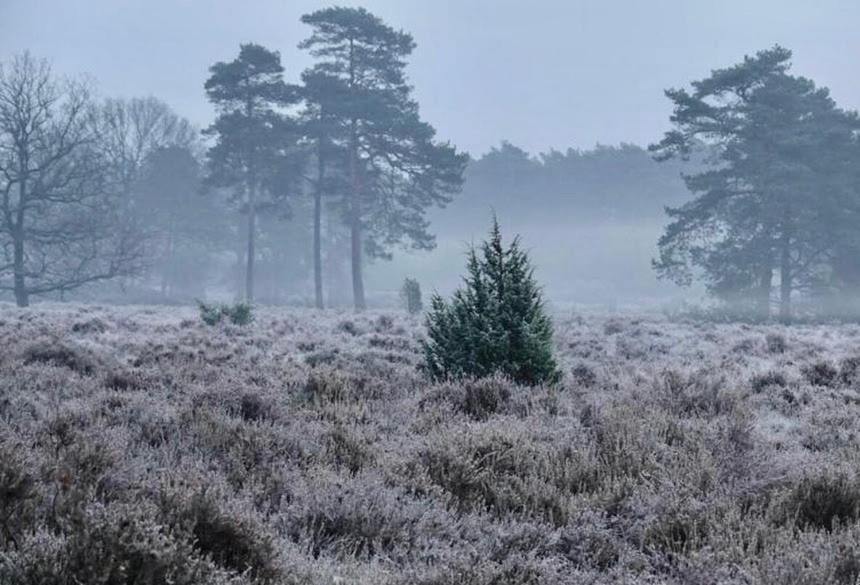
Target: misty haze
(436,292)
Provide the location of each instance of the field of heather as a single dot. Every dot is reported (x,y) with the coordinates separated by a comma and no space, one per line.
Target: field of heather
(138,445)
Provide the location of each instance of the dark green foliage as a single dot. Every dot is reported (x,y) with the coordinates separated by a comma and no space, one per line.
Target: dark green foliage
(255,154)
(410,294)
(238,314)
(780,194)
(210,313)
(496,323)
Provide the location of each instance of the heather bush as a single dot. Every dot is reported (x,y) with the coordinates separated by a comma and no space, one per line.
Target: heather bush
(111,545)
(485,397)
(823,502)
(57,353)
(761,382)
(231,537)
(821,373)
(495,324)
(298,450)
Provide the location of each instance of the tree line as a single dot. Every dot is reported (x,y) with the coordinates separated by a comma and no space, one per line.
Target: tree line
(311,180)
(123,190)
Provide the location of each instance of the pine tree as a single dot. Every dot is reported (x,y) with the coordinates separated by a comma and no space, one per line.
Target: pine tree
(495,323)
(779,194)
(395,167)
(254,139)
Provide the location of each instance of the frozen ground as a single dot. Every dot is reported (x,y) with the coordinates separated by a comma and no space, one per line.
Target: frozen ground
(139,446)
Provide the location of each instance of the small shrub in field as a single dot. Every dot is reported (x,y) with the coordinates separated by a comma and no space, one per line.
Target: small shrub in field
(485,397)
(57,353)
(495,324)
(775,343)
(823,502)
(410,295)
(584,376)
(17,494)
(210,314)
(238,314)
(232,538)
(760,382)
(348,327)
(821,374)
(849,371)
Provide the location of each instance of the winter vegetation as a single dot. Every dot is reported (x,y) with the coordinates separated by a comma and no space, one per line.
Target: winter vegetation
(140,445)
(207,379)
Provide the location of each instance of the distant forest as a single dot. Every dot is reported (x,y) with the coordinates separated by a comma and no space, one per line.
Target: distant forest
(606,183)
(591,219)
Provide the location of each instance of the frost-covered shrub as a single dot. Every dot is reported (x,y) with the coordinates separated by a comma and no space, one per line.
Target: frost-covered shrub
(823,501)
(776,343)
(773,378)
(17,494)
(111,544)
(495,324)
(821,373)
(60,354)
(222,455)
(361,519)
(485,397)
(584,375)
(232,537)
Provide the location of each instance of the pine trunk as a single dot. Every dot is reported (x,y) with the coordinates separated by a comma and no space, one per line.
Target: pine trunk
(764,291)
(318,277)
(251,243)
(786,276)
(355,227)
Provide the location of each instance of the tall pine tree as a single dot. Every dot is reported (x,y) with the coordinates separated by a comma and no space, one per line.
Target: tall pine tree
(775,198)
(395,167)
(253,136)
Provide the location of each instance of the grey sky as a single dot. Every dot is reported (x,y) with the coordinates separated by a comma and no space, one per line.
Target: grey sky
(541,74)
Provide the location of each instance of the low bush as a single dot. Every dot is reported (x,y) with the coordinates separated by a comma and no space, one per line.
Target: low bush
(241,314)
(485,397)
(61,354)
(822,502)
(821,374)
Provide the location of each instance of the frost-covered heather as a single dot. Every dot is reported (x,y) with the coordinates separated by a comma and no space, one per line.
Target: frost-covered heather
(138,445)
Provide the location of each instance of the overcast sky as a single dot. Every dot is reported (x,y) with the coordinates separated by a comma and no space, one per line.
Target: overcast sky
(541,73)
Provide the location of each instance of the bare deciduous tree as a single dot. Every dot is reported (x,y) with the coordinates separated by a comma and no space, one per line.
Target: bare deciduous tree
(59,226)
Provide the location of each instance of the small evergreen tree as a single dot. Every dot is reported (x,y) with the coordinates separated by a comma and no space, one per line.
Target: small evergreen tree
(496,323)
(410,294)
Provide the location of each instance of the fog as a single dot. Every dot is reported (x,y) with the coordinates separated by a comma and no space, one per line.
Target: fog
(555,104)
